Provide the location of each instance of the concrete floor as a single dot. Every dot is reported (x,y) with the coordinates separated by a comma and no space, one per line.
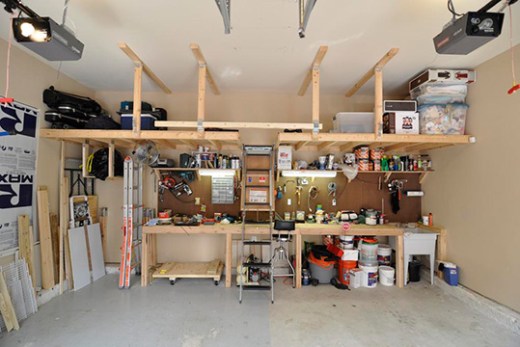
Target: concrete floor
(195,313)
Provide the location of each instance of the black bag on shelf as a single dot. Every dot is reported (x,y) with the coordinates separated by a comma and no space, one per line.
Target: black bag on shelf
(98,164)
(64,121)
(70,103)
(102,122)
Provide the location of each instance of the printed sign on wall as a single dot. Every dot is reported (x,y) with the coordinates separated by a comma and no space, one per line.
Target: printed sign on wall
(17,168)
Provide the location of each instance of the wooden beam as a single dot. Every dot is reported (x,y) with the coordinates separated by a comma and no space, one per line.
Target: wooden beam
(166,144)
(47,267)
(55,237)
(202,62)
(111,150)
(395,147)
(201,106)
(379,65)
(378,106)
(216,144)
(136,114)
(315,100)
(237,125)
(347,147)
(315,65)
(137,61)
(25,244)
(63,212)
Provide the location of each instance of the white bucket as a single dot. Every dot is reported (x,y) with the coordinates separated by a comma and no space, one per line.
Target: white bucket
(370,279)
(384,254)
(386,275)
(346,242)
(367,251)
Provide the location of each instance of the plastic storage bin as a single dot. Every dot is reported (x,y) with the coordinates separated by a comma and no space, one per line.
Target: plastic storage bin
(321,270)
(353,122)
(451,275)
(147,121)
(447,119)
(439,94)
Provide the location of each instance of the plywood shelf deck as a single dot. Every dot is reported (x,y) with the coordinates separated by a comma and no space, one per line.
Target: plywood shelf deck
(126,138)
(390,142)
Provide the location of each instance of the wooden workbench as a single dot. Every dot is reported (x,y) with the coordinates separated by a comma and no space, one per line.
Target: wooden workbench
(149,247)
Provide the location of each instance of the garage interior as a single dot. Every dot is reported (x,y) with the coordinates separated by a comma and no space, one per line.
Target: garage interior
(271,173)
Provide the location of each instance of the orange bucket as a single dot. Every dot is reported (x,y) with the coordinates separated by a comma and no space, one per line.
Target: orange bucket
(344,266)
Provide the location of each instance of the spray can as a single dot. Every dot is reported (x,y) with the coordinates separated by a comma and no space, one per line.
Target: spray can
(430,219)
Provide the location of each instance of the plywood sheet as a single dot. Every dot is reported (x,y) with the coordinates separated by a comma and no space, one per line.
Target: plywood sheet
(79,257)
(96,251)
(189,270)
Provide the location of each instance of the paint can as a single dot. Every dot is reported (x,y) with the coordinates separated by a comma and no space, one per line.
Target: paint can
(368,251)
(370,278)
(362,152)
(384,254)
(376,153)
(346,242)
(363,165)
(386,275)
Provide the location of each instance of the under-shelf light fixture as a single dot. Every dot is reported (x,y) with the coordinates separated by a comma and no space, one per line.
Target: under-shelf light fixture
(309,173)
(217,172)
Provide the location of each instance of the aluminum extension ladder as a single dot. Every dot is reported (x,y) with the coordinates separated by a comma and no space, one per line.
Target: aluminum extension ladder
(132,221)
(248,207)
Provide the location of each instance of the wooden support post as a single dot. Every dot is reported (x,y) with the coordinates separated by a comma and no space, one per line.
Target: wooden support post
(229,258)
(25,243)
(103,225)
(201,106)
(378,107)
(202,61)
(399,262)
(63,212)
(47,267)
(136,117)
(298,260)
(315,65)
(85,152)
(111,149)
(145,248)
(315,100)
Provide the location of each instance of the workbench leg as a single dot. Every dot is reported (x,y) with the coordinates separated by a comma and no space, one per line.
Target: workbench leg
(229,258)
(441,244)
(298,260)
(153,241)
(399,261)
(144,259)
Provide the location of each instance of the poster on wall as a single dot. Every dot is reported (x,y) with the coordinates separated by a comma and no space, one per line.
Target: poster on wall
(17,169)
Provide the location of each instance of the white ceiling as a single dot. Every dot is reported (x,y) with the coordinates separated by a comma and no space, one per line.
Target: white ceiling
(263,51)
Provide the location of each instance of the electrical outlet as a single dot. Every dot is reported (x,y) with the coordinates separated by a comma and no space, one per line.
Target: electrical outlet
(197,201)
(289,202)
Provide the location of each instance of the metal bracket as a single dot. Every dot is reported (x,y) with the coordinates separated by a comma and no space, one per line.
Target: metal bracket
(316,127)
(225,10)
(200,126)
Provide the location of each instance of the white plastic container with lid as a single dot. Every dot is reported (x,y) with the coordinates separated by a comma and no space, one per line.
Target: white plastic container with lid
(384,254)
(386,275)
(370,279)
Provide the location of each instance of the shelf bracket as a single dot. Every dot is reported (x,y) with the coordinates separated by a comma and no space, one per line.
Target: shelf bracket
(387,176)
(423,176)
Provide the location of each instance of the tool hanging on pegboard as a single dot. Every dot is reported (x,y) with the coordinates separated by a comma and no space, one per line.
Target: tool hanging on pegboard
(395,187)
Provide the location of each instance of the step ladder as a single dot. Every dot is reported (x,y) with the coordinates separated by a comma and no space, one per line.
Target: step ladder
(256,199)
(132,221)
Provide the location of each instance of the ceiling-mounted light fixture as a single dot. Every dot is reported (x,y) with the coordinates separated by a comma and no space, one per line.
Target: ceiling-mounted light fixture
(305,13)
(42,35)
(225,10)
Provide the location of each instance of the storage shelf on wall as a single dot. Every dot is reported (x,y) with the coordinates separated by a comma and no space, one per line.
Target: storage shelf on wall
(390,142)
(128,138)
(309,173)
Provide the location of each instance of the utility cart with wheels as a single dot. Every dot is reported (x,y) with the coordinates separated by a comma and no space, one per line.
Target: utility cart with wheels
(173,271)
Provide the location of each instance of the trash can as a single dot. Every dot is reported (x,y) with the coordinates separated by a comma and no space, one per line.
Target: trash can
(414,271)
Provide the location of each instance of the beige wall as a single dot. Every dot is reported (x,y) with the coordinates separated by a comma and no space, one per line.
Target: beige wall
(475,191)
(28,78)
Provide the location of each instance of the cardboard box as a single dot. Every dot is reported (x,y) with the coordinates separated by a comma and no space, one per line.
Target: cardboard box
(257,195)
(257,179)
(401,123)
(284,158)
